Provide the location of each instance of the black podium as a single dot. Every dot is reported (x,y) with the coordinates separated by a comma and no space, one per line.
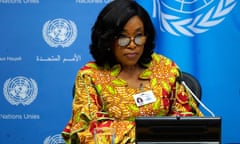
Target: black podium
(183,130)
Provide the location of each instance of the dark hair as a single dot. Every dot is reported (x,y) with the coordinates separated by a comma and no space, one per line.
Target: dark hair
(109,25)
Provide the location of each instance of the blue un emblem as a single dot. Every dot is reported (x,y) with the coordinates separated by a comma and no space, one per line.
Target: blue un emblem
(191,17)
(59,32)
(56,139)
(20,90)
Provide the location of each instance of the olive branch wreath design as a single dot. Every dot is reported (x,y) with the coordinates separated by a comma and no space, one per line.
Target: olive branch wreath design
(13,101)
(71,38)
(201,23)
(56,139)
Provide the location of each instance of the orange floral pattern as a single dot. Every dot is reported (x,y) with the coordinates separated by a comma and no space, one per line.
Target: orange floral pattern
(104,100)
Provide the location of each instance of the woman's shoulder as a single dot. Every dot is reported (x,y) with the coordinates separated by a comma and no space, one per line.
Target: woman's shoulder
(91,65)
(161,63)
(161,59)
(88,68)
(92,69)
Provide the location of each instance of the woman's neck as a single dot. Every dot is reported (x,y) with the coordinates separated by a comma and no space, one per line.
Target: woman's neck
(131,75)
(129,70)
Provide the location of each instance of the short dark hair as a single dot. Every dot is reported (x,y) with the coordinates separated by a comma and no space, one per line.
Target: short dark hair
(110,23)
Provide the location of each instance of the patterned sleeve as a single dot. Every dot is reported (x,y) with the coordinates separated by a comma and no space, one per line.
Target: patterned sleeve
(86,110)
(167,72)
(183,103)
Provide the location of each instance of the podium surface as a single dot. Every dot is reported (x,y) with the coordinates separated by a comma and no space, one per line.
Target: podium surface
(169,130)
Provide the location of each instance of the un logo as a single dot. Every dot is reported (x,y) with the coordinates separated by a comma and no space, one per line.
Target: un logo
(20,90)
(59,32)
(56,139)
(191,17)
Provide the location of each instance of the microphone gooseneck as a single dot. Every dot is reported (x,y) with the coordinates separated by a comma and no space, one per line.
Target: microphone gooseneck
(197,99)
(181,80)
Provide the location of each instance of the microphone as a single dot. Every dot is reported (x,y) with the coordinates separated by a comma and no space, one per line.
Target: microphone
(182,81)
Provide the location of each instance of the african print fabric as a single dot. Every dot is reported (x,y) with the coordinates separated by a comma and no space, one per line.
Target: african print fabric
(103,100)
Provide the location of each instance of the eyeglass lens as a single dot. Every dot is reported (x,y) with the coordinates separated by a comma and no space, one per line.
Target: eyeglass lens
(125,41)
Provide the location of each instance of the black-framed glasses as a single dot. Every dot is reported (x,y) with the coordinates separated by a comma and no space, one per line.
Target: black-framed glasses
(138,40)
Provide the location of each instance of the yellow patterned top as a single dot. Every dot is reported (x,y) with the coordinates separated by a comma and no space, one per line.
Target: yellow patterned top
(104,100)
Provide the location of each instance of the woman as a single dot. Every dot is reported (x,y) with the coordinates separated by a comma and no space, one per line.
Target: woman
(125,69)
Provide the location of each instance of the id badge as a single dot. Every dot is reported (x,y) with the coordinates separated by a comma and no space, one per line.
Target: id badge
(144,98)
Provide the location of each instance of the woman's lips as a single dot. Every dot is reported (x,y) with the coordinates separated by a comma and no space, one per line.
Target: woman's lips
(131,55)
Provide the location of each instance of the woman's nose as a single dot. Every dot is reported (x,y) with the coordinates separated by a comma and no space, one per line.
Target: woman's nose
(132,45)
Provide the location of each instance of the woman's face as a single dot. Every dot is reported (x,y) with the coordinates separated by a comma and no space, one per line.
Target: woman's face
(128,51)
